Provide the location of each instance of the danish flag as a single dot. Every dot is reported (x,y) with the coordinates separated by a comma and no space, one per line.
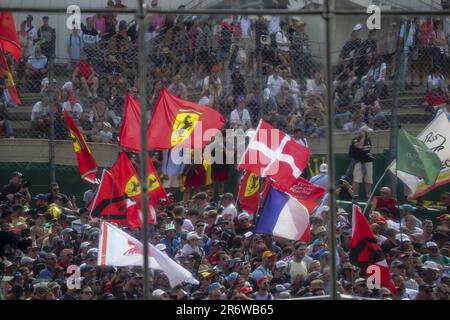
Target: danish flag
(273,153)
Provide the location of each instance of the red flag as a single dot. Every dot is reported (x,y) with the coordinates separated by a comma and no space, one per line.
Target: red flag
(155,188)
(130,132)
(178,122)
(130,183)
(9,39)
(110,202)
(249,192)
(273,153)
(365,251)
(11,95)
(86,163)
(303,190)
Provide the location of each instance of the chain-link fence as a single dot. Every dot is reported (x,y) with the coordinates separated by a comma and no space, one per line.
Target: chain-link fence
(246,66)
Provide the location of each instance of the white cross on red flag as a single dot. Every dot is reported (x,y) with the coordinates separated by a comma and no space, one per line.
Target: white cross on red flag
(273,153)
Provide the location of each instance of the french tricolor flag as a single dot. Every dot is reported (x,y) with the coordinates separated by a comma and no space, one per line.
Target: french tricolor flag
(284,216)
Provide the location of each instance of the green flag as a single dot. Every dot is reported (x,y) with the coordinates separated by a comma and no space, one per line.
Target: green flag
(416,159)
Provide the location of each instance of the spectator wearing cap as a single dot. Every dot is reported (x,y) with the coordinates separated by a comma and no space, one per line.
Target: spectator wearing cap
(41,203)
(200,203)
(265,269)
(263,289)
(352,47)
(227,204)
(280,276)
(244,224)
(49,272)
(41,292)
(322,178)
(132,285)
(407,209)
(192,246)
(434,254)
(215,291)
(360,288)
(170,241)
(159,294)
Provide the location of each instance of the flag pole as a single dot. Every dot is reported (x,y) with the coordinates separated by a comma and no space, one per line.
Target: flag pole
(372,195)
(143,159)
(327,16)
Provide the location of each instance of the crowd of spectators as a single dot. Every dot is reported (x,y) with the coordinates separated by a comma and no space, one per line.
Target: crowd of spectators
(42,235)
(247,69)
(267,61)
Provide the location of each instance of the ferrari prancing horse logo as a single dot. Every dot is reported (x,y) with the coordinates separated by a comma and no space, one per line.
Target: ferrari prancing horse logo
(184,125)
(252,185)
(133,187)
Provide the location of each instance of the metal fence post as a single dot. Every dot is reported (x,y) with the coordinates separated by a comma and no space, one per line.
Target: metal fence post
(143,159)
(330,139)
(51,95)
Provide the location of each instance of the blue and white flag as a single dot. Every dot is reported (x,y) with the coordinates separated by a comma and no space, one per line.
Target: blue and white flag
(284,216)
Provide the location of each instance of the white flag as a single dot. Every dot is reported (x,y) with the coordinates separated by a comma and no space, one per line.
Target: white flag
(436,137)
(117,248)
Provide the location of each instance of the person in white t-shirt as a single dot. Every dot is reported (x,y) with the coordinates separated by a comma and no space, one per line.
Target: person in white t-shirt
(283,44)
(274,83)
(240,117)
(31,34)
(73,107)
(40,115)
(315,88)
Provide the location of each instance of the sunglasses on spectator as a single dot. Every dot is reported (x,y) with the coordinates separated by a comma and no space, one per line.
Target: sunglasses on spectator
(200,225)
(55,189)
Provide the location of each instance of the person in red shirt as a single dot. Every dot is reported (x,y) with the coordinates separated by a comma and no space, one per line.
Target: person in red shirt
(385,200)
(85,72)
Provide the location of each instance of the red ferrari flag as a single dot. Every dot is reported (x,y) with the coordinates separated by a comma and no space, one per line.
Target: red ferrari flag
(86,163)
(10,94)
(130,132)
(249,192)
(272,153)
(110,202)
(130,183)
(365,252)
(302,189)
(9,39)
(178,122)
(155,188)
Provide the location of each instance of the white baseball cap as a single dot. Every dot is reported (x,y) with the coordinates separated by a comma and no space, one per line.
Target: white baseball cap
(357,27)
(323,168)
(280,264)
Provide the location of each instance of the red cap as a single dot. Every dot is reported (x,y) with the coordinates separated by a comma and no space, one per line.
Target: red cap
(261,280)
(246,290)
(215,69)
